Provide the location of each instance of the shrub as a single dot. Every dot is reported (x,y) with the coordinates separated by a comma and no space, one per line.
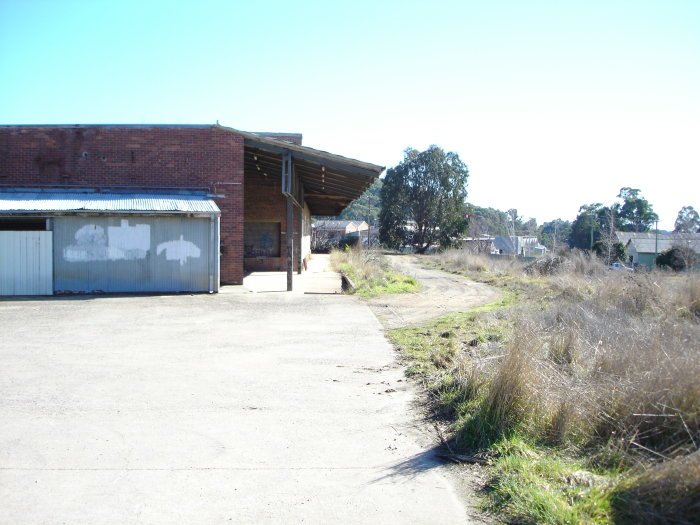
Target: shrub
(677,258)
(549,265)
(617,251)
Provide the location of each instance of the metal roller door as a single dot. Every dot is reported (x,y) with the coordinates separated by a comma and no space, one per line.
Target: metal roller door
(135,254)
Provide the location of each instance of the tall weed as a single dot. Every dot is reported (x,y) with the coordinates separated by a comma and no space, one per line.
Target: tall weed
(603,363)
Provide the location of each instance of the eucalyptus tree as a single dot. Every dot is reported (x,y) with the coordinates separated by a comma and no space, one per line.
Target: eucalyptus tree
(424,200)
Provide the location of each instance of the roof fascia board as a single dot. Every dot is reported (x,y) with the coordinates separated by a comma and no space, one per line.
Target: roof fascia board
(345,168)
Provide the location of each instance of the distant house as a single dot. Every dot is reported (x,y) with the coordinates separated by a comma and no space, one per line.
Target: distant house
(642,248)
(523,245)
(333,231)
(483,244)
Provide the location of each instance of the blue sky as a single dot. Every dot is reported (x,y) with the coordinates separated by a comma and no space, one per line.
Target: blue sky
(552,104)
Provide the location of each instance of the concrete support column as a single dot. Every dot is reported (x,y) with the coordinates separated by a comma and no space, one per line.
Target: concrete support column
(301,236)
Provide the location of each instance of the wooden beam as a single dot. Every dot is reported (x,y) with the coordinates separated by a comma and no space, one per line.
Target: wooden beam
(329,197)
(355,167)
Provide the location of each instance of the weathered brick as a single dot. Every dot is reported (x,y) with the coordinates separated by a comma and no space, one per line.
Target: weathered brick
(145,157)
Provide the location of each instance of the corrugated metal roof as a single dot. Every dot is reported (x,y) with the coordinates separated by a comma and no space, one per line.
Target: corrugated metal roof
(32,202)
(650,245)
(646,242)
(336,225)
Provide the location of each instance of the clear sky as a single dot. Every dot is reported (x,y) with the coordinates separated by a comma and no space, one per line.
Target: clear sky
(552,104)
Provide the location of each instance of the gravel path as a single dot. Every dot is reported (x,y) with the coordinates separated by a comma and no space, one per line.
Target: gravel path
(441,293)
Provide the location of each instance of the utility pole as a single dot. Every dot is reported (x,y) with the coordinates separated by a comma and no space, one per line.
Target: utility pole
(513,214)
(656,246)
(369,219)
(611,234)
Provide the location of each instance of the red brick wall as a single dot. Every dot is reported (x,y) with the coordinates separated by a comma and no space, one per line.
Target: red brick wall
(265,203)
(136,156)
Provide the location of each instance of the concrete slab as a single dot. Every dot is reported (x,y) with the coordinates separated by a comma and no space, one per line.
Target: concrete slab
(239,407)
(319,278)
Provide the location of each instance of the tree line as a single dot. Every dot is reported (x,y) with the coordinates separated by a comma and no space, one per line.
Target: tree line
(423,201)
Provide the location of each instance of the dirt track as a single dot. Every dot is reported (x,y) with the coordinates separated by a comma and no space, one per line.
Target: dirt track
(441,293)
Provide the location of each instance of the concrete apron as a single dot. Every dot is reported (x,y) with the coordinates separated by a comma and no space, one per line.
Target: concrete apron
(236,407)
(318,278)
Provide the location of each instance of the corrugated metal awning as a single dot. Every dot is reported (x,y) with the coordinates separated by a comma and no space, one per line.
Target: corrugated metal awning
(331,182)
(19,202)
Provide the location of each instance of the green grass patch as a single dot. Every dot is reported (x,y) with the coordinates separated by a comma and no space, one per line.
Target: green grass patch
(388,282)
(541,485)
(371,274)
(430,347)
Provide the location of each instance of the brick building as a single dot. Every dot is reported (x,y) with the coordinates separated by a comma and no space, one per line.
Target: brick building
(119,172)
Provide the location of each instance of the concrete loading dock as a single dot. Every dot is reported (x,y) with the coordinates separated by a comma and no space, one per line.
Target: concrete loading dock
(266,185)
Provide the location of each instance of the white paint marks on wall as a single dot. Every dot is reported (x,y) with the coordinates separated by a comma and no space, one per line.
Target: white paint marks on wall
(119,243)
(128,242)
(179,250)
(91,245)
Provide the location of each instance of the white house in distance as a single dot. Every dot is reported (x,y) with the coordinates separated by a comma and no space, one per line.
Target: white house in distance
(333,231)
(523,245)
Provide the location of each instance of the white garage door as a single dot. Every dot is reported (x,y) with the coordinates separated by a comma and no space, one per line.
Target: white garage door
(26,263)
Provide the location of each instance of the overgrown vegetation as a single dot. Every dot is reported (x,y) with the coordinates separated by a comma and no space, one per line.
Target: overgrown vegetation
(581,387)
(371,273)
(677,258)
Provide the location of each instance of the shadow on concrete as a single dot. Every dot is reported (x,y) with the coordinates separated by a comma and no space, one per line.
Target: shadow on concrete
(417,464)
(93,296)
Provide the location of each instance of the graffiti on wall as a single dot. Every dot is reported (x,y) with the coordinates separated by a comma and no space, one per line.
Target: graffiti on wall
(118,243)
(179,250)
(125,243)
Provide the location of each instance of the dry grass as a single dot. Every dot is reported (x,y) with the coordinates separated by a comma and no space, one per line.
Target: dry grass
(687,298)
(605,364)
(616,361)
(585,264)
(666,493)
(510,401)
(460,260)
